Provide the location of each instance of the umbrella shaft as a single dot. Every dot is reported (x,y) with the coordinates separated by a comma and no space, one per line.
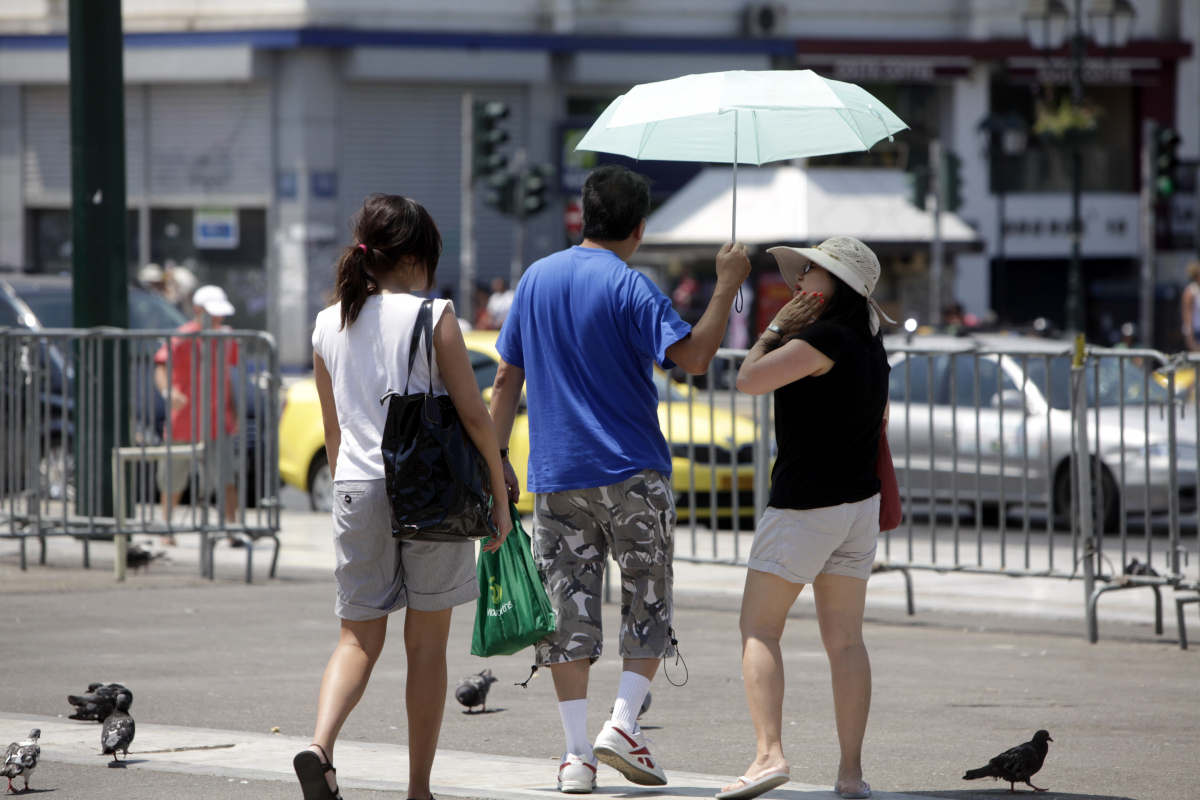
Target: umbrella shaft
(733,235)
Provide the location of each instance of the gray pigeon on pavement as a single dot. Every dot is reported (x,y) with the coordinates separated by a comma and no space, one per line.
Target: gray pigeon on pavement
(472,690)
(98,702)
(21,759)
(117,732)
(1017,765)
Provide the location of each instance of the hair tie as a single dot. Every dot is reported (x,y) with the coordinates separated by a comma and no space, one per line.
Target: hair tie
(364,247)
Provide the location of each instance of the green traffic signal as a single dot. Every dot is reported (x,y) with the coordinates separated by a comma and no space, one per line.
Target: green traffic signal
(950,178)
(918,185)
(1166,161)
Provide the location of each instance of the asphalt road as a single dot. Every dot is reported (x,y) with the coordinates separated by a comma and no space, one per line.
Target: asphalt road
(949,692)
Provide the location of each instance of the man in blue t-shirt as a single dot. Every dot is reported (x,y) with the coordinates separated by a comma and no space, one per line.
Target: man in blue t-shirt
(585,332)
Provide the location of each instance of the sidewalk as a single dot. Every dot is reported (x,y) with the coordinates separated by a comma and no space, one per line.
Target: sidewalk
(380,767)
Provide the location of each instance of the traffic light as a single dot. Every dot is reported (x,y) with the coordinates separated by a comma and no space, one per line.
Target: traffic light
(918,184)
(950,179)
(501,192)
(1166,142)
(487,137)
(534,183)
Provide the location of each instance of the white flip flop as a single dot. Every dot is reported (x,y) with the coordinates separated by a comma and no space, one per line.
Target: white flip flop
(863,795)
(748,788)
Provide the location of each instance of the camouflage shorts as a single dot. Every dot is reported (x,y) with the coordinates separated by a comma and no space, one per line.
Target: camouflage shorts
(573,533)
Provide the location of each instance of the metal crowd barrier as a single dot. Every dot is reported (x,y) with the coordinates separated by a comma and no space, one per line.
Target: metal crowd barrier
(986,441)
(89,447)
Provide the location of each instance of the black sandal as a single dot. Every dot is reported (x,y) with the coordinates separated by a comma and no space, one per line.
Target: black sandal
(311,772)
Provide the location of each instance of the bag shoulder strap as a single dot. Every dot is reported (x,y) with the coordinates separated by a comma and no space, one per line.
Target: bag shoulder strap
(420,325)
(427,316)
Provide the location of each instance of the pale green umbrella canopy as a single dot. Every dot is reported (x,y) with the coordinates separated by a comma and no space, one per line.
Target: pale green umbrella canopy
(767,116)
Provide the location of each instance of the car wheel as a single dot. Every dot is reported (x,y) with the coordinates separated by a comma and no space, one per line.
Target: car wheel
(1062,497)
(320,484)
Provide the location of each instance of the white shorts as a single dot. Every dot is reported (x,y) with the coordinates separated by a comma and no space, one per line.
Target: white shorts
(799,545)
(377,574)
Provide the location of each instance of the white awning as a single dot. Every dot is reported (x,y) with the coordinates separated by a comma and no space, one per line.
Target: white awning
(791,205)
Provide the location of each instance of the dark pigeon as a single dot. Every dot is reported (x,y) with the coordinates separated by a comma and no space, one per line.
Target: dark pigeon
(137,557)
(472,690)
(1017,765)
(21,759)
(118,730)
(644,709)
(98,702)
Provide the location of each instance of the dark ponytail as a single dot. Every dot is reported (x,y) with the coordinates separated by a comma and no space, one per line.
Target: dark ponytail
(387,229)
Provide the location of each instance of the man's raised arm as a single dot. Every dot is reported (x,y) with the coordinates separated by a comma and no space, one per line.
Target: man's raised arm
(695,352)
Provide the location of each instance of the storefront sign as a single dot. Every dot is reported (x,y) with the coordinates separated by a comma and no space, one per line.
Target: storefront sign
(1039,225)
(890,68)
(1096,71)
(215,229)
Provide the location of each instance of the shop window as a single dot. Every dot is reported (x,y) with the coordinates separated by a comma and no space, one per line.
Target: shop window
(50,240)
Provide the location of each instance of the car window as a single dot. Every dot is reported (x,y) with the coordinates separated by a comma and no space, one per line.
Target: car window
(485,369)
(916,373)
(150,312)
(965,370)
(9,317)
(1132,384)
(53,309)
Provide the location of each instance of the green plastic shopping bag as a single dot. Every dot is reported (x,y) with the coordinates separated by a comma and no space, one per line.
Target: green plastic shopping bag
(513,611)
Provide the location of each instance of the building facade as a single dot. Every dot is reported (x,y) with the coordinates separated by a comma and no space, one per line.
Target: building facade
(276,119)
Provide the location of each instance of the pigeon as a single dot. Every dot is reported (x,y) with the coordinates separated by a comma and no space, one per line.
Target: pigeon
(1017,765)
(98,702)
(137,557)
(472,690)
(644,709)
(20,760)
(118,730)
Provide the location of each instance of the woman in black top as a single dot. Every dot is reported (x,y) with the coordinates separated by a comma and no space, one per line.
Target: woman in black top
(824,359)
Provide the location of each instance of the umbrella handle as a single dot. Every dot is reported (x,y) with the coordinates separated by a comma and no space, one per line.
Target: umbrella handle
(737,303)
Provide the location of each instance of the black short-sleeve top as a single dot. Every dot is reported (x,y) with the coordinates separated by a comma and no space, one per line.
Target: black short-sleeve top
(827,427)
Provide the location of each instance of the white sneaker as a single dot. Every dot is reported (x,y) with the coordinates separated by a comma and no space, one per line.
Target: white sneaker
(627,753)
(576,775)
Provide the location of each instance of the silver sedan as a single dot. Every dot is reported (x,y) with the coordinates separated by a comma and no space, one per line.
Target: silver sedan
(976,419)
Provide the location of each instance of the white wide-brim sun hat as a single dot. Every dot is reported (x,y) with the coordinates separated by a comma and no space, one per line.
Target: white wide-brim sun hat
(844,256)
(213,300)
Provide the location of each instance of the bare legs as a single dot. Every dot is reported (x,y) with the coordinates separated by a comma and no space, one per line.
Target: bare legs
(765,605)
(349,670)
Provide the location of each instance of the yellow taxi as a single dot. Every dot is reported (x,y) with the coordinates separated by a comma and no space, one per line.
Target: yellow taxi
(304,465)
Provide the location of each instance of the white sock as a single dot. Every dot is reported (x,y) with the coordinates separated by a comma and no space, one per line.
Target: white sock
(630,697)
(574,720)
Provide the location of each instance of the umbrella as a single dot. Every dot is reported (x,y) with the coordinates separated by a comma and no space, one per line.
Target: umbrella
(741,117)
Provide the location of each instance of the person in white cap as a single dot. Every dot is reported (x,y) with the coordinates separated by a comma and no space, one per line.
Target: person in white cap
(824,359)
(188,423)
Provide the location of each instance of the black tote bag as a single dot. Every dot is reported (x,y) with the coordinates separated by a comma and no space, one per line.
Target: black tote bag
(437,482)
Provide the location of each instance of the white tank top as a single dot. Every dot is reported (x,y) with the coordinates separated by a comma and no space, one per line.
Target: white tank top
(365,360)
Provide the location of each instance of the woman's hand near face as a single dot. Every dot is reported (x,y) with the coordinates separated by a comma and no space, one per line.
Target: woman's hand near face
(799,313)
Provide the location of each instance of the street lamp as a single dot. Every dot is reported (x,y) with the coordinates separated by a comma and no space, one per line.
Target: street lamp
(1111,22)
(1045,25)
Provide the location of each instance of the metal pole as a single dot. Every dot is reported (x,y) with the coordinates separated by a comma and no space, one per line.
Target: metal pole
(466,244)
(936,253)
(1146,199)
(1075,320)
(1083,476)
(98,226)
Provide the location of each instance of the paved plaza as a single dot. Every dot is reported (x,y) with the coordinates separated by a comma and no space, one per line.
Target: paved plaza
(216,665)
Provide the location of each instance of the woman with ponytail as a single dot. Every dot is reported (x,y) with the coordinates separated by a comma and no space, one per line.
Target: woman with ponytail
(360,348)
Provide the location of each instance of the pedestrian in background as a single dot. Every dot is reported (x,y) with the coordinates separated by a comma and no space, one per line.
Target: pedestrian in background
(1191,307)
(823,357)
(499,303)
(196,417)
(360,346)
(585,330)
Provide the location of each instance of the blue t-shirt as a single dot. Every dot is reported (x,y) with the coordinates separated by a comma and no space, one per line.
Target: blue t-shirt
(587,330)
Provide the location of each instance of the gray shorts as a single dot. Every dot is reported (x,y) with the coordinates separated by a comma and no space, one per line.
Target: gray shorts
(214,460)
(573,533)
(377,574)
(799,545)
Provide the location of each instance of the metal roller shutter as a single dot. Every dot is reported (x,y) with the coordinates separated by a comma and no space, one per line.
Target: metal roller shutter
(404,139)
(210,140)
(205,140)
